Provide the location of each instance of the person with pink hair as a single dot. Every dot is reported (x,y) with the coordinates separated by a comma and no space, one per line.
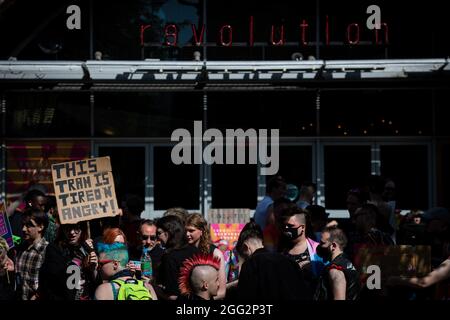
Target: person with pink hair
(199,277)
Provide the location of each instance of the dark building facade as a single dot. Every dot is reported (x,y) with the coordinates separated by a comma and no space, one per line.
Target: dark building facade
(348,101)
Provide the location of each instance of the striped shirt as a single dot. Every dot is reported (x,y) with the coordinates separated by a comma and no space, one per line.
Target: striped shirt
(28,264)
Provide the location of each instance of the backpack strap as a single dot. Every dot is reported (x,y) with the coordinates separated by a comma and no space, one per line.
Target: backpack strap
(115,291)
(119,282)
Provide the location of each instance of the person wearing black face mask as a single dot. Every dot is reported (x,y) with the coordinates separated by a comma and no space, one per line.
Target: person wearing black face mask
(298,246)
(339,280)
(264,275)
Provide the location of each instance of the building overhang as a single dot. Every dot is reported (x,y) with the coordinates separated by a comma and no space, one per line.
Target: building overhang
(223,75)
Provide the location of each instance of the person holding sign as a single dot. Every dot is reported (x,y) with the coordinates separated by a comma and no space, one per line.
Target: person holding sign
(69,269)
(84,190)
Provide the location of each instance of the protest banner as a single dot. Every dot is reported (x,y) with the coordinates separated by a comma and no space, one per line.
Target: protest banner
(225,235)
(5,227)
(84,190)
(226,224)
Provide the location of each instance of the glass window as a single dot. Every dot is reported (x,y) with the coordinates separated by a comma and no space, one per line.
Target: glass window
(36,30)
(296,164)
(237,15)
(175,185)
(403,30)
(145,114)
(346,167)
(376,113)
(443,174)
(293,113)
(234,186)
(118,28)
(48,114)
(407,166)
(128,167)
(442,98)
(30,162)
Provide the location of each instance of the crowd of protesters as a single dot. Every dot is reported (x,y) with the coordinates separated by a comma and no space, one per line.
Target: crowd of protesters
(287,251)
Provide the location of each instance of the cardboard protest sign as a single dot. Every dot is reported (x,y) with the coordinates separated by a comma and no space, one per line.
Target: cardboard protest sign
(5,227)
(229,216)
(84,190)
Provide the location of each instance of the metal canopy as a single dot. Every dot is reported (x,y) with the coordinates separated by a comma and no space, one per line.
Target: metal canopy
(222,75)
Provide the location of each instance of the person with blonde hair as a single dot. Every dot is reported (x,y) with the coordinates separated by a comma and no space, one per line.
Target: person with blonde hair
(198,234)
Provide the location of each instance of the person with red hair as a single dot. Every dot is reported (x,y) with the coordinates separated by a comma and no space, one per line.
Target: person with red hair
(199,277)
(112,235)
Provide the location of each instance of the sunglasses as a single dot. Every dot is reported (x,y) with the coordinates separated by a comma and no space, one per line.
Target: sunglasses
(68,228)
(101,263)
(152,238)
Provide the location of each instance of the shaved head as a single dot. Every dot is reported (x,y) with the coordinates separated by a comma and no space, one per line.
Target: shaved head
(205,278)
(301,218)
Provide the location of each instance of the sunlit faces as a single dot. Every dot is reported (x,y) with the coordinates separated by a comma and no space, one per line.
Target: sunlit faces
(292,228)
(162,235)
(193,235)
(31,230)
(213,284)
(72,233)
(107,267)
(119,238)
(38,203)
(325,247)
(148,235)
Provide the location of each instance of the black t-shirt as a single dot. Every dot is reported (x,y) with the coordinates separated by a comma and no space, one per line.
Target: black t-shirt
(271,276)
(53,275)
(169,269)
(324,291)
(302,257)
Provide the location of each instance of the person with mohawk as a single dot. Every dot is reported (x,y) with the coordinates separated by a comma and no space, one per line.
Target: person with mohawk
(199,277)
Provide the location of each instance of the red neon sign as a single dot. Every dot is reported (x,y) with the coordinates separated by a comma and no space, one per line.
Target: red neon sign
(277,36)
